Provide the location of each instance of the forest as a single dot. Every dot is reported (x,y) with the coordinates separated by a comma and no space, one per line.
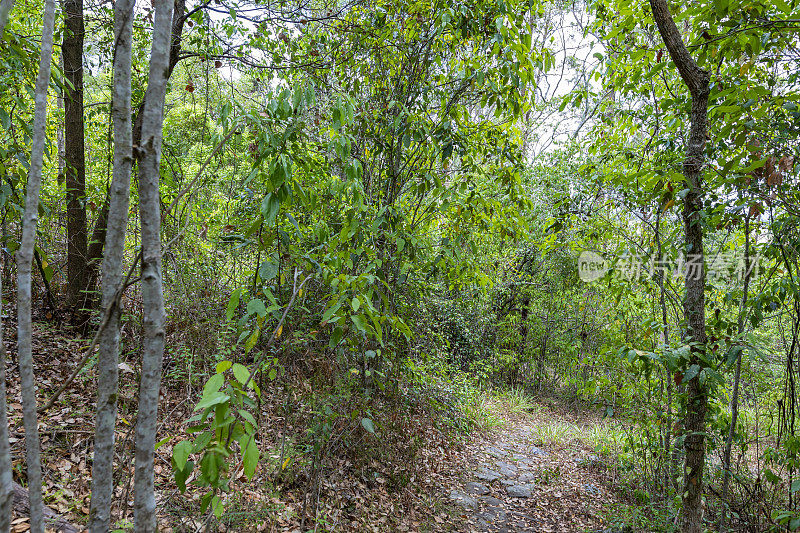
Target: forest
(399,265)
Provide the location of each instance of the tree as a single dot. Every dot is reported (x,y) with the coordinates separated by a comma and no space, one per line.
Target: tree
(24,262)
(6,488)
(694,307)
(5,10)
(149,156)
(108,374)
(74,157)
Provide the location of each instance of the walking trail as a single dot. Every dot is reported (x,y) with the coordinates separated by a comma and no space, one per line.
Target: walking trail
(518,483)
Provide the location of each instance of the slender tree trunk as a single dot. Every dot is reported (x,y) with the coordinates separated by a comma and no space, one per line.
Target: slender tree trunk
(95,250)
(152,296)
(697,81)
(726,454)
(24,265)
(6,486)
(74,158)
(669,467)
(119,201)
(5,11)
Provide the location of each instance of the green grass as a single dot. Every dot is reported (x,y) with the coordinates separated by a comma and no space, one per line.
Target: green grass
(604,438)
(516,400)
(481,412)
(553,433)
(639,517)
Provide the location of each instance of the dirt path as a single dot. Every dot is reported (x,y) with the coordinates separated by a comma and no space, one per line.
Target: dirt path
(517,484)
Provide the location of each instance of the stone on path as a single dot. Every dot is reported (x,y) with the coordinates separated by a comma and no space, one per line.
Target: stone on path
(496,452)
(537,451)
(519,491)
(491,501)
(488,475)
(507,469)
(476,488)
(464,500)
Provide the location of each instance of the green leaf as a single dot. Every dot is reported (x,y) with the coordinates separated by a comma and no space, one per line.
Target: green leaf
(213,384)
(233,303)
(770,476)
(180,453)
(248,417)
(336,336)
(269,208)
(355,304)
(368,425)
(256,306)
(267,271)
(182,475)
(360,323)
(5,120)
(241,373)
(211,400)
(691,373)
(251,340)
(250,456)
(216,506)
(222,366)
(326,316)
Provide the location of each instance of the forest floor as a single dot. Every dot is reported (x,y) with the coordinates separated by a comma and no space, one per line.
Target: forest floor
(534,467)
(540,472)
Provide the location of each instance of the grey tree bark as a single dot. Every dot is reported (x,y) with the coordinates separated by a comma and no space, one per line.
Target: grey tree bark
(5,10)
(149,155)
(24,266)
(119,202)
(6,487)
(697,81)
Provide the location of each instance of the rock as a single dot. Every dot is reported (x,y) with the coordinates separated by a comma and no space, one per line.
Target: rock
(490,501)
(527,477)
(464,500)
(536,451)
(589,488)
(492,515)
(494,451)
(488,475)
(507,469)
(476,488)
(519,491)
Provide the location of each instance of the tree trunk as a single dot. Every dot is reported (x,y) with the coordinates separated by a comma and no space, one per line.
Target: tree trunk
(726,454)
(6,488)
(117,215)
(697,80)
(5,11)
(24,264)
(74,159)
(152,296)
(95,250)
